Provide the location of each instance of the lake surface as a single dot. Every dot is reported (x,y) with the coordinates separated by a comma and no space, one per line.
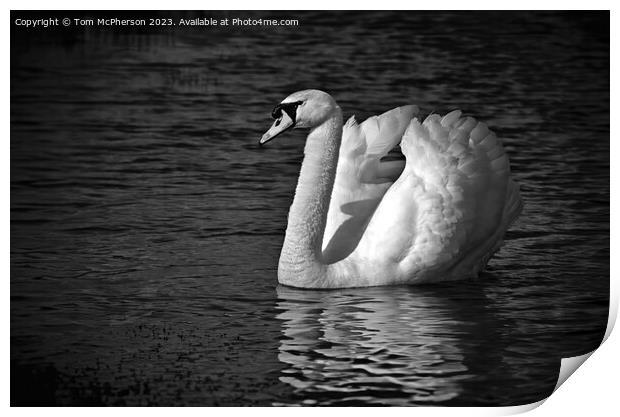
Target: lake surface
(146,223)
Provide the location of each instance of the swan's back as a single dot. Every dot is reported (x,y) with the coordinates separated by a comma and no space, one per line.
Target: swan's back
(447,212)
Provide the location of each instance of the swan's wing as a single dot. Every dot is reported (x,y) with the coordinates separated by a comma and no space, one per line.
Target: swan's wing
(384,132)
(362,178)
(450,207)
(363,145)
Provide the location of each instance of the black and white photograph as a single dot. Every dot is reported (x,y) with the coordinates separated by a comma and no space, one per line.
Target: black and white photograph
(403,208)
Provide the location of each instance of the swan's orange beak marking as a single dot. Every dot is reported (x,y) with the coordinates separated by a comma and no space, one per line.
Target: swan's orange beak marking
(282,124)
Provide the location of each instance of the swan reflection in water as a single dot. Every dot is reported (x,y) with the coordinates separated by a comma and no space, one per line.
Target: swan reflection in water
(381,345)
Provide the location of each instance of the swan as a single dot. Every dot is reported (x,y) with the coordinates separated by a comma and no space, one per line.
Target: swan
(359,220)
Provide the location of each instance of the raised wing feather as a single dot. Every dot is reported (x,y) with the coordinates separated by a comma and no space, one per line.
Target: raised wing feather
(362,178)
(384,132)
(449,208)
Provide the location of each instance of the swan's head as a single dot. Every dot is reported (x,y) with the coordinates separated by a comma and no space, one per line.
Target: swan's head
(303,109)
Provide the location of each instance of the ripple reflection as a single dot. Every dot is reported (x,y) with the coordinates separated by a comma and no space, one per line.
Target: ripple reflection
(390,345)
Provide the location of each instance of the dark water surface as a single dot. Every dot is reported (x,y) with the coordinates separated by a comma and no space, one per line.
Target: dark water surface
(146,224)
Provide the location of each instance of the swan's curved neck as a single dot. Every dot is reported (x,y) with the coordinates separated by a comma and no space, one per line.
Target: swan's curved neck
(300,260)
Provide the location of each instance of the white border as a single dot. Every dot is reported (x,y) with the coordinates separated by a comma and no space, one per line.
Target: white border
(594,384)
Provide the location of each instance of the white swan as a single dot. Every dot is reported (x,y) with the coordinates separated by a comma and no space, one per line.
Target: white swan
(358,221)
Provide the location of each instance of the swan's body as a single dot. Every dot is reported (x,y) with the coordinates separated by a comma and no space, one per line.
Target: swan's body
(359,221)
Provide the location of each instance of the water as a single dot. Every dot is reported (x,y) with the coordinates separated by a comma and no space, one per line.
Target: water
(146,224)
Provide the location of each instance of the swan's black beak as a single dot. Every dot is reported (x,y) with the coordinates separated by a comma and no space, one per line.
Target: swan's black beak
(281,125)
